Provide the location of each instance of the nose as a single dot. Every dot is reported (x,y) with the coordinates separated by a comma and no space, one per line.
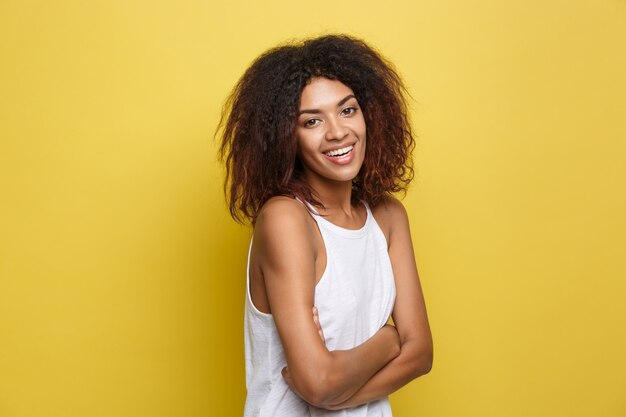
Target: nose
(335,130)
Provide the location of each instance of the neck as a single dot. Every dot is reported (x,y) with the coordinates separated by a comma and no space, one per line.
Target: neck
(335,196)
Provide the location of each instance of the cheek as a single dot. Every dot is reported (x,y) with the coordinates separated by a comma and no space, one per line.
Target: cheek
(304,150)
(307,143)
(362,133)
(360,128)
(300,141)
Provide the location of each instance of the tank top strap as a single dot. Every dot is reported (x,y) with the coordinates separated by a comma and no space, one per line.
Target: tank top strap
(367,209)
(313,211)
(324,224)
(310,208)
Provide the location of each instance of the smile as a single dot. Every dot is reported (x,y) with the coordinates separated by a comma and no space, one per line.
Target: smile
(339,152)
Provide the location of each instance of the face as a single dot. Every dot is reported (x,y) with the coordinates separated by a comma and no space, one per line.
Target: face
(330,132)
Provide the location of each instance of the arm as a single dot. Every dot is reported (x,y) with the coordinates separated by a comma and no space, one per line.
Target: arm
(286,254)
(409,315)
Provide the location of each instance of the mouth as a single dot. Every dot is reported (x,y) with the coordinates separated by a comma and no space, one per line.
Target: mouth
(338,153)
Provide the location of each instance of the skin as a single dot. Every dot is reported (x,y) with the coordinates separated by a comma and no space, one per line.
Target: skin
(288,258)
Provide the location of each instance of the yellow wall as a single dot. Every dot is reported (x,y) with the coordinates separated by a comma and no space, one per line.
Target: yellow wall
(122,276)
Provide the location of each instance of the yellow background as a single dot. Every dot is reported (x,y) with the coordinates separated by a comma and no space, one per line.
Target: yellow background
(122,276)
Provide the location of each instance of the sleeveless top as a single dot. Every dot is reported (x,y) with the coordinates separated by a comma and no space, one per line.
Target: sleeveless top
(354,298)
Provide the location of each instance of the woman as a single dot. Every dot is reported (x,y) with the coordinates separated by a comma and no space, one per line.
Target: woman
(315,137)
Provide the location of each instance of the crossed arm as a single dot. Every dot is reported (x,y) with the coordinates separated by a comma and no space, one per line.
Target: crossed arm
(343,378)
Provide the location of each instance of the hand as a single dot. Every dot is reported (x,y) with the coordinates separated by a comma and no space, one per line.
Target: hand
(289,380)
(287,376)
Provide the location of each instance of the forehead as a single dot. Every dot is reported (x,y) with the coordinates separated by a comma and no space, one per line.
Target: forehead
(322,92)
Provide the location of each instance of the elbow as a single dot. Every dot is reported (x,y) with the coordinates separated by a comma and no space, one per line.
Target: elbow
(316,398)
(312,393)
(425,365)
(323,388)
(422,362)
(316,390)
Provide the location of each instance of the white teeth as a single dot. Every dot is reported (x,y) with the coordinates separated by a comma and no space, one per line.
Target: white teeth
(340,151)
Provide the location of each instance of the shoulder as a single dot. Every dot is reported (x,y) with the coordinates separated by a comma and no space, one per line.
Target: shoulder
(390,206)
(391,216)
(283,244)
(390,210)
(282,220)
(280,212)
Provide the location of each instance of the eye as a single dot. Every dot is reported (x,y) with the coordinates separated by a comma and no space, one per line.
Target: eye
(348,111)
(311,122)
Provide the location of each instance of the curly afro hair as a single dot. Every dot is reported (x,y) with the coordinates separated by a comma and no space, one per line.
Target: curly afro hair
(257,128)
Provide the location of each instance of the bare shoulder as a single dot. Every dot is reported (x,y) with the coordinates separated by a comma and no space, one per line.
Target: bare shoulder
(281,210)
(390,207)
(390,214)
(282,221)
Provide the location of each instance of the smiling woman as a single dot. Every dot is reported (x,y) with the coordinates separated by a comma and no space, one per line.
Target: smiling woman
(315,138)
(330,133)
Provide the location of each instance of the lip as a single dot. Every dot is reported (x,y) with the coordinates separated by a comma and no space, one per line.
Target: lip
(334,148)
(342,160)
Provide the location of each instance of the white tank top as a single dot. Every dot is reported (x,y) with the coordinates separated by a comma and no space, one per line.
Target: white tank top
(354,297)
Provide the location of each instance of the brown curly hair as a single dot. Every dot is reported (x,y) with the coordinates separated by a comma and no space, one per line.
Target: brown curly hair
(257,128)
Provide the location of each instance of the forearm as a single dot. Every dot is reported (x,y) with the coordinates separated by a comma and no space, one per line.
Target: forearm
(409,314)
(356,366)
(345,371)
(412,362)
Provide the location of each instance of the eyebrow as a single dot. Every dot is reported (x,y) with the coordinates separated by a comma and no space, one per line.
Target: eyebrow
(339,104)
